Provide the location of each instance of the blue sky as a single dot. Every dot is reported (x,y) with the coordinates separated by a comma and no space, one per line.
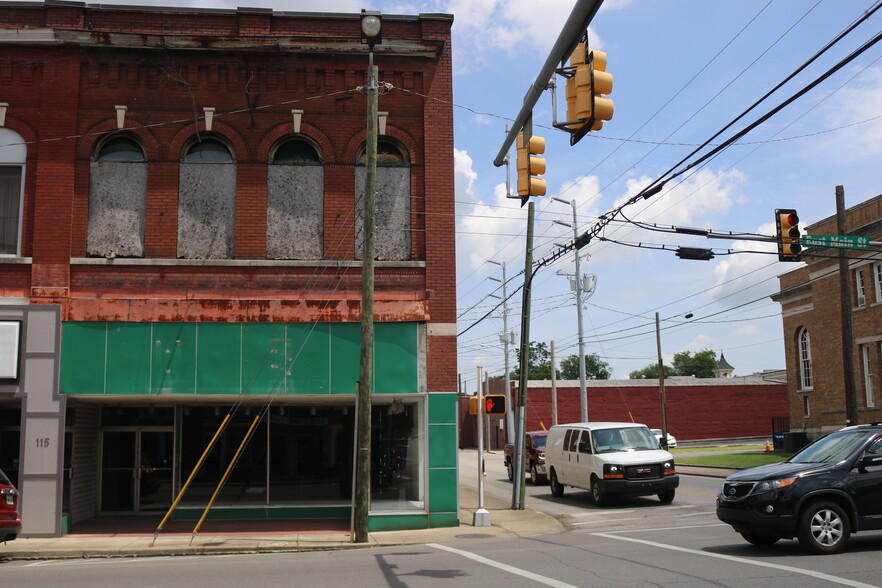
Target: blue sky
(682,70)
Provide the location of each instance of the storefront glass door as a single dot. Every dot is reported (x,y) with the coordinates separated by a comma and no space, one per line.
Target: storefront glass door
(136,471)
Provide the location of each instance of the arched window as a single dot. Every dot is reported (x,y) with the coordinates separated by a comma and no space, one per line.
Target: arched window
(12,163)
(804,347)
(208,151)
(393,202)
(206,201)
(295,202)
(117,199)
(121,149)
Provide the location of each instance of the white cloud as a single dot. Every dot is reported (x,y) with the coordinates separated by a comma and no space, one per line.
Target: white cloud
(858,101)
(751,330)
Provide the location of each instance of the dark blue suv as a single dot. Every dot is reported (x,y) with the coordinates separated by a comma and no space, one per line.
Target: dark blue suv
(821,495)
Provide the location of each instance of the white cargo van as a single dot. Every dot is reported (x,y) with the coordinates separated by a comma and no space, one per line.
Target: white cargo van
(609,459)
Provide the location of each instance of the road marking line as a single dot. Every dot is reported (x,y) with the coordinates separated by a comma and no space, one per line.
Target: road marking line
(600,512)
(762,564)
(502,566)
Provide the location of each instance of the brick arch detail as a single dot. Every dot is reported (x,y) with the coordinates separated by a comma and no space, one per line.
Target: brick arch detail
(219,130)
(350,154)
(27,132)
(102,129)
(286,129)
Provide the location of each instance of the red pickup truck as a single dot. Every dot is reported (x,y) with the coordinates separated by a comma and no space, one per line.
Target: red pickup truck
(534,450)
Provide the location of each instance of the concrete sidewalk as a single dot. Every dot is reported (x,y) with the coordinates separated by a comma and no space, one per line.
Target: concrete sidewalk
(505,523)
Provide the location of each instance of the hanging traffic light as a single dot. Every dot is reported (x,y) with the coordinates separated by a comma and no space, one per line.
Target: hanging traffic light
(787,234)
(530,166)
(587,107)
(494,404)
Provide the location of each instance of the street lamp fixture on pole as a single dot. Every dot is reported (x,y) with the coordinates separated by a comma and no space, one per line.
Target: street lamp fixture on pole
(371,33)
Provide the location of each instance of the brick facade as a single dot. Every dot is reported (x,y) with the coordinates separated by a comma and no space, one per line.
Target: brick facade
(810,302)
(70,72)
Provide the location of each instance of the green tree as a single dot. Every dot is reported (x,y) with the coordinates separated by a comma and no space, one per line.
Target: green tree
(700,365)
(650,372)
(595,368)
(539,364)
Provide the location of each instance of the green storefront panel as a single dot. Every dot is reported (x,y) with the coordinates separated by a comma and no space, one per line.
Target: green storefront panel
(82,358)
(229,358)
(442,449)
(128,347)
(397,522)
(174,358)
(395,354)
(263,358)
(442,490)
(219,358)
(345,357)
(309,358)
(442,409)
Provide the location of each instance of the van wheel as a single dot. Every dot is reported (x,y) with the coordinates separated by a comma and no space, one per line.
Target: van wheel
(510,469)
(667,496)
(597,492)
(557,489)
(823,528)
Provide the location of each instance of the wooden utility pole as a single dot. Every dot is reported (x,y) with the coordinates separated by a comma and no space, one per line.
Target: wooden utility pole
(553,387)
(661,382)
(851,414)
(362,492)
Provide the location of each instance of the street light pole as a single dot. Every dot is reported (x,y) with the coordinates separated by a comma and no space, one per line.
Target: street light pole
(371,29)
(583,391)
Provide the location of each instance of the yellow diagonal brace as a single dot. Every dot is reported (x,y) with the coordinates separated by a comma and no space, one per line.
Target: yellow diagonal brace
(190,479)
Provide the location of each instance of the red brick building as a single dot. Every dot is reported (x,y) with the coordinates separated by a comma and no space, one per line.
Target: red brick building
(813,339)
(181,201)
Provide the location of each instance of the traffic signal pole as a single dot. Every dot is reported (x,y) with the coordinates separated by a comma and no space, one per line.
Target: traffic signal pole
(573,29)
(518,490)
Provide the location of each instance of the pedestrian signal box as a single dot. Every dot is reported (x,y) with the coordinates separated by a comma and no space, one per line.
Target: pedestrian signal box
(494,404)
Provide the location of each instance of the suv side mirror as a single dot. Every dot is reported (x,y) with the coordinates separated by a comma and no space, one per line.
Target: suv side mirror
(871,460)
(663,442)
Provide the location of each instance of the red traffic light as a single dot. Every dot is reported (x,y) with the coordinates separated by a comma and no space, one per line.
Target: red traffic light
(494,404)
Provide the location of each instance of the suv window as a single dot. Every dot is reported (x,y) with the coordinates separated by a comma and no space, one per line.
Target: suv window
(832,448)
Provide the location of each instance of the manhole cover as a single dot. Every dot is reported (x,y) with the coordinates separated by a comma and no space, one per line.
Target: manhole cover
(474,536)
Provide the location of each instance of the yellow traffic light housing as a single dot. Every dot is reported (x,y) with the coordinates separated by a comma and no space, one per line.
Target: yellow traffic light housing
(787,234)
(494,404)
(587,84)
(529,166)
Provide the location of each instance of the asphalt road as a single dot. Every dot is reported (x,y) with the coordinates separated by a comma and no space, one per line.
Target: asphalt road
(636,543)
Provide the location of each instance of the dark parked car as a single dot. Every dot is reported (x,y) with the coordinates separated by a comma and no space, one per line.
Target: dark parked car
(10,520)
(821,495)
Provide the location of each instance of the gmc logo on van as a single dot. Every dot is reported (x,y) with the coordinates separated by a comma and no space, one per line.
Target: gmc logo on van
(641,471)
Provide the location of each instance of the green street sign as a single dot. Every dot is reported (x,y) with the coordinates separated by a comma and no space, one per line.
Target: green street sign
(842,241)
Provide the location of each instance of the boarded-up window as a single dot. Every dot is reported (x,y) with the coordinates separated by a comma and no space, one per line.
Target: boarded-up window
(295,202)
(392,237)
(117,200)
(207,202)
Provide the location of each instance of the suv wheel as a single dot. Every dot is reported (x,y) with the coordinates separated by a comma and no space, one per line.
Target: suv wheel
(597,492)
(823,528)
(758,539)
(557,489)
(510,469)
